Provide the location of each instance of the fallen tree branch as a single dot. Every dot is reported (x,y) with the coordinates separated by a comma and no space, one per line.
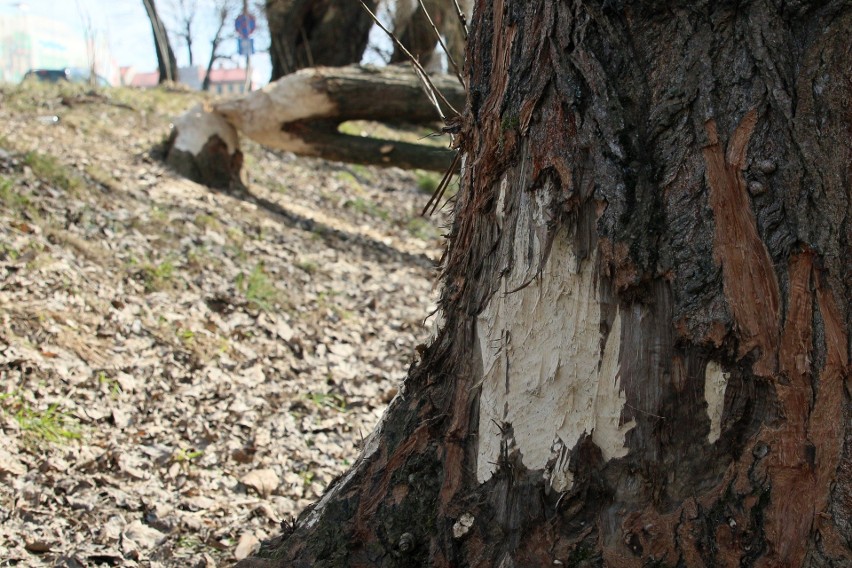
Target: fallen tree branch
(301,113)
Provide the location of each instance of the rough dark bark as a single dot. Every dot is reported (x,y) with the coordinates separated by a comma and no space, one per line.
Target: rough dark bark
(166,61)
(657,198)
(309,33)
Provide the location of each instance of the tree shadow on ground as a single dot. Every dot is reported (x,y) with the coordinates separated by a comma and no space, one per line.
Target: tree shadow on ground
(331,235)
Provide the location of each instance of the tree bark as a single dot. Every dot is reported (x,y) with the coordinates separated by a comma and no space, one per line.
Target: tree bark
(166,61)
(301,113)
(642,354)
(417,33)
(311,33)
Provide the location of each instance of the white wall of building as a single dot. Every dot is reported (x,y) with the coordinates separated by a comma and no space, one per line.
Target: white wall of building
(29,41)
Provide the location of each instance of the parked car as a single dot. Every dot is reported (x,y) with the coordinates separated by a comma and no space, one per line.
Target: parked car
(70,74)
(48,75)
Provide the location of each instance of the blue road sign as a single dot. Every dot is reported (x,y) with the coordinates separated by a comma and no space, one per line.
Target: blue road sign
(245,25)
(246,46)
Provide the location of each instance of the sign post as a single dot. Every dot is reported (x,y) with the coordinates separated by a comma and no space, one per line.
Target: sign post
(245,24)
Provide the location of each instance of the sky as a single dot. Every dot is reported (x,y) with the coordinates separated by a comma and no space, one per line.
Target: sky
(125,26)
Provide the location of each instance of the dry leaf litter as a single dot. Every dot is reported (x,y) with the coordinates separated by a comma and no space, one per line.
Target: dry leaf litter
(182,369)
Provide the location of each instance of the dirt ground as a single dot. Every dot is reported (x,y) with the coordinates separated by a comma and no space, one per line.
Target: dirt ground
(183,370)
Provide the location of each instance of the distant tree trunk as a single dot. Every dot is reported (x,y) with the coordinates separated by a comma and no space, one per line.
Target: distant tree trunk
(417,34)
(642,356)
(187,11)
(309,33)
(165,56)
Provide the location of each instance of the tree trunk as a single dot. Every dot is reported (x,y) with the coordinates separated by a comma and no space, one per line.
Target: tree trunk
(300,113)
(309,33)
(417,33)
(166,61)
(642,357)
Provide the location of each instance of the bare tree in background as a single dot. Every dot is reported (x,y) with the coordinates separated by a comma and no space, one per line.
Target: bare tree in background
(166,61)
(185,12)
(224,10)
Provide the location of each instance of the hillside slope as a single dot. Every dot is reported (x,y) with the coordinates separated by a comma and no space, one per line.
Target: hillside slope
(182,370)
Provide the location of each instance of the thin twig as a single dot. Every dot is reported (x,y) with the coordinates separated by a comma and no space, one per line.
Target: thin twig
(430,93)
(422,72)
(442,187)
(443,45)
(462,18)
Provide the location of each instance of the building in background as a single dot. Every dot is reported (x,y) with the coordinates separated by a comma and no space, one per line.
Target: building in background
(228,81)
(29,41)
(222,81)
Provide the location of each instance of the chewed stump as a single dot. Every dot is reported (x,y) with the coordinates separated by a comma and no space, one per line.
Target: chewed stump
(204,147)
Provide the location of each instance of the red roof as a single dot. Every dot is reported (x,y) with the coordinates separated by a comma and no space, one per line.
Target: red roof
(217,77)
(227,76)
(150,79)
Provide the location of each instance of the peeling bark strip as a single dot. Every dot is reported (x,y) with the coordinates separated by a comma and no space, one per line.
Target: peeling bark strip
(806,446)
(751,287)
(645,304)
(301,113)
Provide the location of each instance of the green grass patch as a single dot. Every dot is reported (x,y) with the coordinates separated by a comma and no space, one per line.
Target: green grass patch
(352,128)
(14,200)
(348,178)
(102,177)
(161,100)
(186,336)
(258,288)
(111,384)
(327,400)
(187,455)
(157,277)
(427,182)
(8,252)
(277,187)
(49,170)
(52,424)
(308,266)
(325,301)
(363,172)
(205,221)
(6,144)
(421,228)
(367,207)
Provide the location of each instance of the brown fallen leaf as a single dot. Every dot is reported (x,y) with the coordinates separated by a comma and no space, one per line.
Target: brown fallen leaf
(247,545)
(38,546)
(264,481)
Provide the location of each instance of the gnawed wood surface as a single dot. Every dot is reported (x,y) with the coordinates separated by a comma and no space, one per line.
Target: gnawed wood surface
(696,160)
(301,112)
